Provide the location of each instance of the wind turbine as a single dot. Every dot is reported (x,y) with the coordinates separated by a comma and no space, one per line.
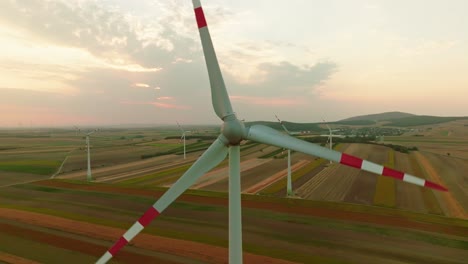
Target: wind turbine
(289,191)
(183,136)
(330,137)
(88,174)
(233,132)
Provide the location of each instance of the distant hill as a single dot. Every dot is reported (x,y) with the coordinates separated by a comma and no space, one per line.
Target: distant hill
(399,119)
(379,117)
(391,119)
(423,120)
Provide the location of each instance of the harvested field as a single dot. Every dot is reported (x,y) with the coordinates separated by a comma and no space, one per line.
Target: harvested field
(221,174)
(409,196)
(449,139)
(316,231)
(363,189)
(250,176)
(341,183)
(451,202)
(309,166)
(265,183)
(385,187)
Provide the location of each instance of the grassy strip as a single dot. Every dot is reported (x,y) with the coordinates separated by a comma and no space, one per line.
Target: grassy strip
(192,148)
(278,185)
(430,201)
(123,197)
(289,255)
(271,154)
(179,150)
(157,175)
(264,214)
(347,207)
(385,190)
(41,167)
(41,252)
(173,175)
(433,238)
(248,145)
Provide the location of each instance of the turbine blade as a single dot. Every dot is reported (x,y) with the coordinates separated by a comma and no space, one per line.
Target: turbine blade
(219,95)
(270,136)
(326,124)
(181,130)
(211,157)
(284,127)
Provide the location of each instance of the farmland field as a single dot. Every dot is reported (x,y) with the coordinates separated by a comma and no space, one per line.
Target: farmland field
(79,221)
(334,206)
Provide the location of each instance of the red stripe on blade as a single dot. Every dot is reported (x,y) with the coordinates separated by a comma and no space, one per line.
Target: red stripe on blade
(351,161)
(117,246)
(435,186)
(393,173)
(201,22)
(148,216)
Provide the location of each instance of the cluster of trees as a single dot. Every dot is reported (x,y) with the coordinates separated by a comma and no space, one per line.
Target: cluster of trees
(400,148)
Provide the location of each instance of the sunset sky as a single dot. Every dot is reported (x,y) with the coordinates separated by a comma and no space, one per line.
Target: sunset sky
(65,63)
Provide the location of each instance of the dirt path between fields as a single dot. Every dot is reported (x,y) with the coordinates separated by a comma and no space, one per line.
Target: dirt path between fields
(203,252)
(449,201)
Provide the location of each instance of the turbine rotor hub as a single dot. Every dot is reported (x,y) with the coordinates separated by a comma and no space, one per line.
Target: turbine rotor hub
(234,130)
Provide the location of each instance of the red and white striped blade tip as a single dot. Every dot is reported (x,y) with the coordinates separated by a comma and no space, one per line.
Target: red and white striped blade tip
(381,170)
(144,220)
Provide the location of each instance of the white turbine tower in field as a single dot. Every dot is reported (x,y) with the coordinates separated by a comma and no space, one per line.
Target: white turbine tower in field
(330,137)
(233,132)
(289,191)
(183,136)
(88,174)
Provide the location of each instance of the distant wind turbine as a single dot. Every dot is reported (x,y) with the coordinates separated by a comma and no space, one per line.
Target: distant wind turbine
(183,136)
(330,137)
(88,174)
(289,191)
(233,132)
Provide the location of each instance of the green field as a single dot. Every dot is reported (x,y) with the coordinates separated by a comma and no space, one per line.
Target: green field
(290,229)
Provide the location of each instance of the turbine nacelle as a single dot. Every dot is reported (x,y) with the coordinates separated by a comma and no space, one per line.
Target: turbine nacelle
(233,130)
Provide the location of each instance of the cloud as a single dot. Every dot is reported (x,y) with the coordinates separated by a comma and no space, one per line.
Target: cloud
(157,104)
(285,79)
(141,85)
(267,101)
(106,31)
(165,98)
(170,106)
(114,52)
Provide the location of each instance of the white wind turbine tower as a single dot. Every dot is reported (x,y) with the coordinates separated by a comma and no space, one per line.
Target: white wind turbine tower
(233,132)
(88,174)
(183,136)
(330,137)
(289,191)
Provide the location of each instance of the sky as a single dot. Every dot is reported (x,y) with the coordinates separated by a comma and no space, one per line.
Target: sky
(116,62)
